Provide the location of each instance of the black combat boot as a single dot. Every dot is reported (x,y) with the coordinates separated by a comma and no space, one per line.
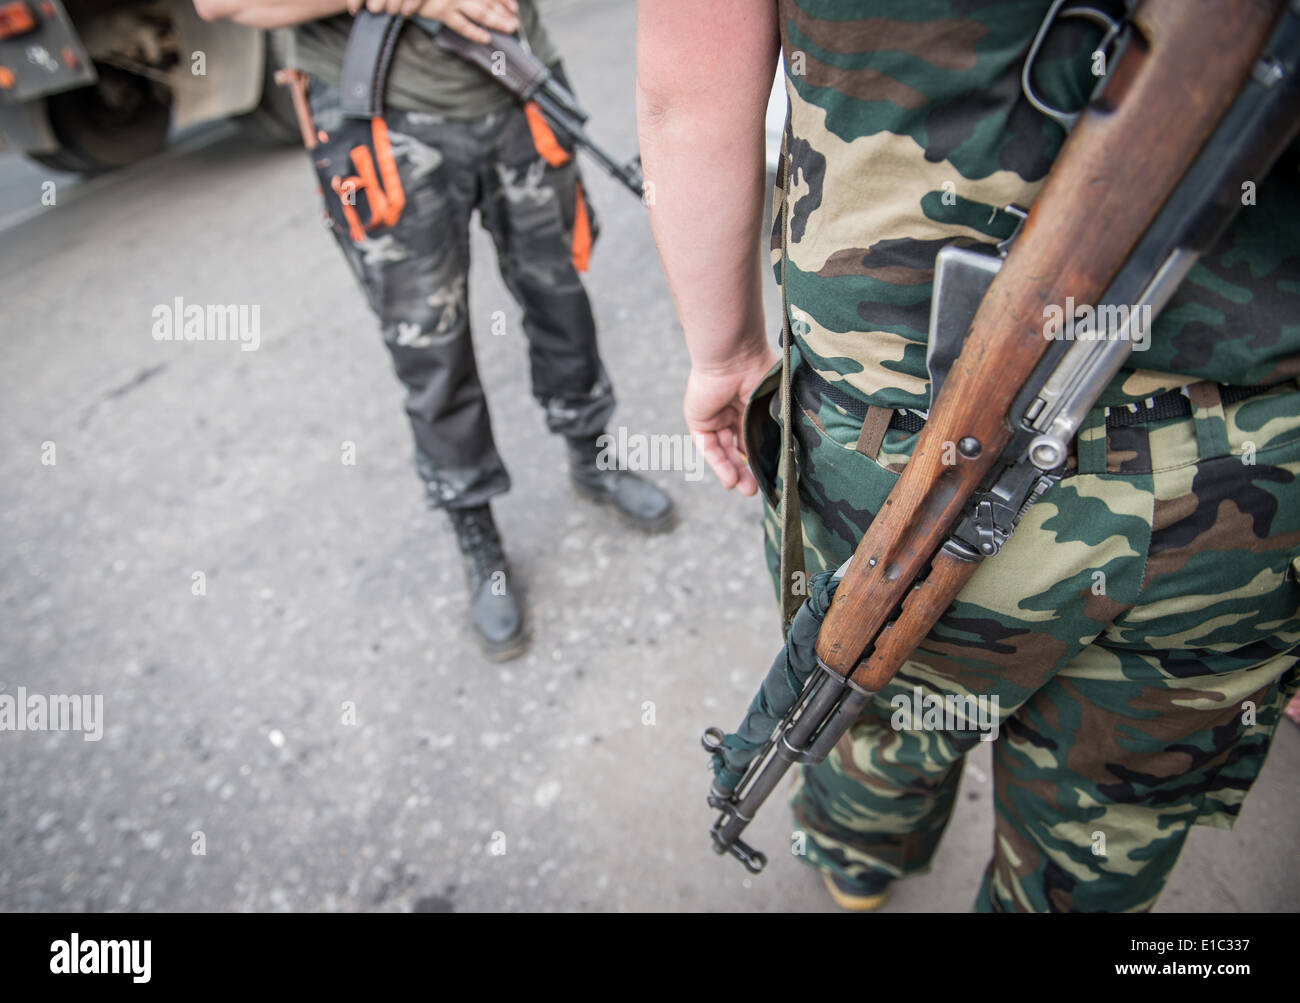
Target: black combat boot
(638,502)
(493,608)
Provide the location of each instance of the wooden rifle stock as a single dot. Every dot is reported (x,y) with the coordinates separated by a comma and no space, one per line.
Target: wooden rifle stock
(1172,84)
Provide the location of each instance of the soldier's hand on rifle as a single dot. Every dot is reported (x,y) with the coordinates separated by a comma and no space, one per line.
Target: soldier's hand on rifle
(714,406)
(462,16)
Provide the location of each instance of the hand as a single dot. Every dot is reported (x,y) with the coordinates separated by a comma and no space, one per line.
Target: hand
(402,8)
(459,15)
(714,406)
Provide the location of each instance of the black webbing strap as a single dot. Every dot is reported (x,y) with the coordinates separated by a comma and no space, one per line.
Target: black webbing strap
(366,61)
(906,421)
(1172,404)
(808,380)
(1230,395)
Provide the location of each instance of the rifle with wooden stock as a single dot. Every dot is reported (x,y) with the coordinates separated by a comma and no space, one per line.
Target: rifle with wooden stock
(1203,95)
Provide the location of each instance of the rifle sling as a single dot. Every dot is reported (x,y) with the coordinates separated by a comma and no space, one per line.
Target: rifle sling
(372,42)
(792,558)
(366,62)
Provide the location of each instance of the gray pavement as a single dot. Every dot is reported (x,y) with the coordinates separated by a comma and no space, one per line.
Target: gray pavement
(329,587)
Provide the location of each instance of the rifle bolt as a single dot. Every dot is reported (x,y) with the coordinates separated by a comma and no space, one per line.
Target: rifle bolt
(969,447)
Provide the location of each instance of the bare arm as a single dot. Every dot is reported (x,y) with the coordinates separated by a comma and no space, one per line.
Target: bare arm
(268,13)
(704,72)
(462,15)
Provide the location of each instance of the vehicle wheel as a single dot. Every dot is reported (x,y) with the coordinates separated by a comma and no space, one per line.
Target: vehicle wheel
(274,119)
(118,120)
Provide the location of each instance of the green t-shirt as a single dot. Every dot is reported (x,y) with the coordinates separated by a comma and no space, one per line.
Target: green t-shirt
(423,77)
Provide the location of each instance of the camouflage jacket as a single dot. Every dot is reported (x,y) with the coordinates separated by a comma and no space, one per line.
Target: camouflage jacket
(908,130)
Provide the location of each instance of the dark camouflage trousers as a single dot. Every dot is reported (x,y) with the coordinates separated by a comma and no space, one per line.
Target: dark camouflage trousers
(1139,630)
(415,277)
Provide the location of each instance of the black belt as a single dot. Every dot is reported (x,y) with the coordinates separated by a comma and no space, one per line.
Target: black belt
(807,381)
(1172,404)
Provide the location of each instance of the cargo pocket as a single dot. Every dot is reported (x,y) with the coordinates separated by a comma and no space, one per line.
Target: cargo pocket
(841,489)
(359,179)
(530,137)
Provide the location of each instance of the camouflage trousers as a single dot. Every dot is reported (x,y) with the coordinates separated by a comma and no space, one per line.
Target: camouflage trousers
(414,271)
(1139,633)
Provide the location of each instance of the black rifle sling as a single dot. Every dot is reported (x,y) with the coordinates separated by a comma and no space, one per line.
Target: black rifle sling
(373,40)
(366,61)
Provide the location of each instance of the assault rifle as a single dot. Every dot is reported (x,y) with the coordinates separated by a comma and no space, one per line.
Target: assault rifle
(1203,95)
(510,63)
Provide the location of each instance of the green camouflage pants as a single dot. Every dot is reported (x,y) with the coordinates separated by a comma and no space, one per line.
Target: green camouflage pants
(1139,632)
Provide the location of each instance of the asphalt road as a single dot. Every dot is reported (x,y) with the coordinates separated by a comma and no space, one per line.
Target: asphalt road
(319,722)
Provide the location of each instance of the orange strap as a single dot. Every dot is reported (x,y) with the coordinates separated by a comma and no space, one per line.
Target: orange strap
(581,230)
(388,171)
(377,175)
(543,138)
(296,81)
(370,182)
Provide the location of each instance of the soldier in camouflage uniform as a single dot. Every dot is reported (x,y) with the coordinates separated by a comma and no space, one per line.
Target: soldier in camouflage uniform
(1139,630)
(400,192)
